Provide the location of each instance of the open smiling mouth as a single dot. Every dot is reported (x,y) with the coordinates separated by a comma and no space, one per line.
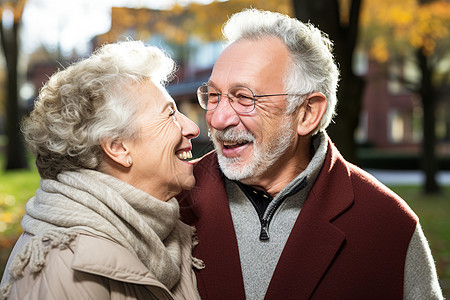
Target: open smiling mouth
(232,145)
(184,155)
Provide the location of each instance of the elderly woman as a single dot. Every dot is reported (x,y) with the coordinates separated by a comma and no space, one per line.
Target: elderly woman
(111,149)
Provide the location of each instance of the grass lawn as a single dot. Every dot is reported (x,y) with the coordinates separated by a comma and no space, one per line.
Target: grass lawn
(434,215)
(16,187)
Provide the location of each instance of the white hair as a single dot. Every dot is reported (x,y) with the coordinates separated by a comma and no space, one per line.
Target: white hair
(90,101)
(313,68)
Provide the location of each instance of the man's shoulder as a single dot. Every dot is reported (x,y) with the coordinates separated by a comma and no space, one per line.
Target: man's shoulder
(367,191)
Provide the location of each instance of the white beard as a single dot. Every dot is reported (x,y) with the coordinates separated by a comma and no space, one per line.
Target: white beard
(264,156)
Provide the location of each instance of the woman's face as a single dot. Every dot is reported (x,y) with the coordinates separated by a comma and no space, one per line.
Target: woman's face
(159,153)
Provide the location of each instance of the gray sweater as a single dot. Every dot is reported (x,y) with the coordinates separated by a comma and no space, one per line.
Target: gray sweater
(259,257)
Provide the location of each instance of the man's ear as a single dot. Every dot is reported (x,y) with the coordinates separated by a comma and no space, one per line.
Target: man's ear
(311,112)
(118,152)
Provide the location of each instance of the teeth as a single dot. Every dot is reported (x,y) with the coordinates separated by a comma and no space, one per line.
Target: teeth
(184,155)
(234,144)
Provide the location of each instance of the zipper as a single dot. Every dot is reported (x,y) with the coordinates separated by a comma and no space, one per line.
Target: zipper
(265,221)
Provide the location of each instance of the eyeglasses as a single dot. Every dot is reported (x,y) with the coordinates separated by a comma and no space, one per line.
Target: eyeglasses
(242,99)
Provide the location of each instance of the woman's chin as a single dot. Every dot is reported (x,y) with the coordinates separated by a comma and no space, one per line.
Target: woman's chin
(187,182)
(178,183)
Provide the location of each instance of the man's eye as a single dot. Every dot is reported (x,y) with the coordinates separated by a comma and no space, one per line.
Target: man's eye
(213,97)
(243,96)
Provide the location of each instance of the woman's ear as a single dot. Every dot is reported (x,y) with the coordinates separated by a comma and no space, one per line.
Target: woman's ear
(118,152)
(311,112)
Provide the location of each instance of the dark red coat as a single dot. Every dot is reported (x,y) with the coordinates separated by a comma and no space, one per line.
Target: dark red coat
(349,242)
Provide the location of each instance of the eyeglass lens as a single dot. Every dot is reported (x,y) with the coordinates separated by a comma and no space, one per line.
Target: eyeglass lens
(240,98)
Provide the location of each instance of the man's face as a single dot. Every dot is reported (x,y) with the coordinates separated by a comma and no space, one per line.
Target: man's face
(249,144)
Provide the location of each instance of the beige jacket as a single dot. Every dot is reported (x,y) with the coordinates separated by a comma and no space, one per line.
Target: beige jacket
(97,268)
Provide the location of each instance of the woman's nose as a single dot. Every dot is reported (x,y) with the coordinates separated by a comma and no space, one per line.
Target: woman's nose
(189,129)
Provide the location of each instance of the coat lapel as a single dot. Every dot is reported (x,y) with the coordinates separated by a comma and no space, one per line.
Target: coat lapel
(314,241)
(310,250)
(222,277)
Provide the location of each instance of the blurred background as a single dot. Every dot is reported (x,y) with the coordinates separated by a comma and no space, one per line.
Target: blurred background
(394,94)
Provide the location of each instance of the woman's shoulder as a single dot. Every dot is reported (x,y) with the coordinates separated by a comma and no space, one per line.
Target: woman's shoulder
(56,279)
(101,255)
(85,269)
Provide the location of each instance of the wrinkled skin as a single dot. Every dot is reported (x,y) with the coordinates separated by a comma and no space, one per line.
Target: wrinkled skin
(276,154)
(164,133)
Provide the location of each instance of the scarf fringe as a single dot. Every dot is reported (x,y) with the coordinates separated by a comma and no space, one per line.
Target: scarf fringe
(33,255)
(196,262)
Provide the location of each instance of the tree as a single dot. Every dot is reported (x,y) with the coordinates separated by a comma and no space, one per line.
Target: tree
(9,35)
(416,31)
(340,20)
(178,23)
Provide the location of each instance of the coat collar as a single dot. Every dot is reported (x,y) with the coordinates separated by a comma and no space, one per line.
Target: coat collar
(314,240)
(312,246)
(210,213)
(91,256)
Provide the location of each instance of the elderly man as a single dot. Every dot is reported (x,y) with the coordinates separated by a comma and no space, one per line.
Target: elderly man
(280,214)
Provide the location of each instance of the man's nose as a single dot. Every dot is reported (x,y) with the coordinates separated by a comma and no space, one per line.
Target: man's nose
(223,116)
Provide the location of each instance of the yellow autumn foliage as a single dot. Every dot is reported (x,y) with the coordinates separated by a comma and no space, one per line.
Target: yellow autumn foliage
(379,50)
(178,23)
(404,23)
(7,217)
(16,7)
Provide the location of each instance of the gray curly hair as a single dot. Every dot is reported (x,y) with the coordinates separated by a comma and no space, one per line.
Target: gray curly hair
(313,68)
(88,102)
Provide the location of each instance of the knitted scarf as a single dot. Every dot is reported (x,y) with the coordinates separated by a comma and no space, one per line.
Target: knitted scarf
(96,202)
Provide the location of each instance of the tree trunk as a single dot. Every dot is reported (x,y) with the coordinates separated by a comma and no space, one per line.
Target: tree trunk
(429,141)
(348,111)
(326,15)
(15,149)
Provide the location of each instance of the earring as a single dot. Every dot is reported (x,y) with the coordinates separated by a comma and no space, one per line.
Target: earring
(130,161)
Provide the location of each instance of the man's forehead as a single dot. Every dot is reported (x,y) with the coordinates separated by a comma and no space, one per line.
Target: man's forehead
(246,62)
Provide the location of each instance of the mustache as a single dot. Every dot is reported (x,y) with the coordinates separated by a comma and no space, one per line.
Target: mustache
(232,135)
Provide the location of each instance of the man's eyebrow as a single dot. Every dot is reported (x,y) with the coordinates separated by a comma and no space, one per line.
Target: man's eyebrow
(210,82)
(236,84)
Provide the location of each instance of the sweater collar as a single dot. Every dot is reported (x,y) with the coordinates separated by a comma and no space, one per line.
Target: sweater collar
(302,180)
(309,175)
